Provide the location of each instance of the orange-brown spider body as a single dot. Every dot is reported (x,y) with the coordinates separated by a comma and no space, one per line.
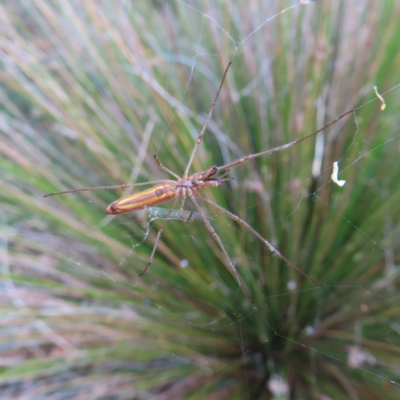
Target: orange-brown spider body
(165,191)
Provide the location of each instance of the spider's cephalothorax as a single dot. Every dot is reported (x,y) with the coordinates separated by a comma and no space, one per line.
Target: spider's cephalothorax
(199,180)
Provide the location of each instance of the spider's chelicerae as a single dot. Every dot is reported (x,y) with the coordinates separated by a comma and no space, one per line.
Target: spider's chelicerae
(189,185)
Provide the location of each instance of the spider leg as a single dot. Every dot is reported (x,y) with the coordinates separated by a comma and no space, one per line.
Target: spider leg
(182,204)
(203,129)
(189,218)
(283,147)
(218,240)
(184,194)
(224,177)
(165,168)
(265,241)
(158,238)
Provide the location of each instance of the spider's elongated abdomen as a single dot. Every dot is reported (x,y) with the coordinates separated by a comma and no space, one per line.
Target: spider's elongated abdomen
(148,198)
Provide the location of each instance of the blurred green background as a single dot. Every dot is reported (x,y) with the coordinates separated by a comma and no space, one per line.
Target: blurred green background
(90,91)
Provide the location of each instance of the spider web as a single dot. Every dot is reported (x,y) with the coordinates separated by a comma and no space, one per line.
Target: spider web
(288,197)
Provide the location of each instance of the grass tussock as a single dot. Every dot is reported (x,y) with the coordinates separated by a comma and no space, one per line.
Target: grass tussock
(90,91)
